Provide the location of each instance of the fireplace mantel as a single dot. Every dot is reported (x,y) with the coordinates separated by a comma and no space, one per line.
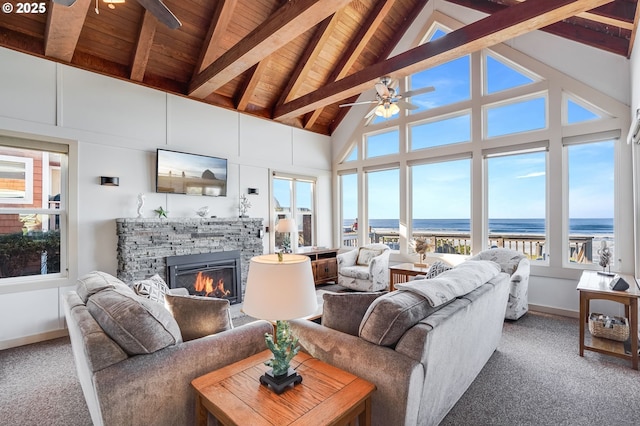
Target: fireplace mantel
(145,243)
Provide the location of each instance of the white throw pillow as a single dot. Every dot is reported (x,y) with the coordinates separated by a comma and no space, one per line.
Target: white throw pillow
(153,288)
(366,254)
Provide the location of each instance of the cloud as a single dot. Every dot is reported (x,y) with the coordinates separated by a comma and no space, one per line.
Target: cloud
(531,175)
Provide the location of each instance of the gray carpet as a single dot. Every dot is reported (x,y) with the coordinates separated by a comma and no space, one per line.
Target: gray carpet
(534,378)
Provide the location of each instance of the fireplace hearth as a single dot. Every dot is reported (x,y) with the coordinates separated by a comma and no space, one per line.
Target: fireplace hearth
(214,274)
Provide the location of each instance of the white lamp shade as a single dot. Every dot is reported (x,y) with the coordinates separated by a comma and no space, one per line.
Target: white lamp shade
(286,225)
(280,290)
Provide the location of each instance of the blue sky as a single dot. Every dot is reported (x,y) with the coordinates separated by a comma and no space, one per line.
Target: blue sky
(517,183)
(282,193)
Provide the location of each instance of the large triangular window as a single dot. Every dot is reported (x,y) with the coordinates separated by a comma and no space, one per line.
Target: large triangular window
(502,74)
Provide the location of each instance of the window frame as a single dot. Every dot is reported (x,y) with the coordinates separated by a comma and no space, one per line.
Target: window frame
(293,178)
(513,101)
(65,151)
(585,139)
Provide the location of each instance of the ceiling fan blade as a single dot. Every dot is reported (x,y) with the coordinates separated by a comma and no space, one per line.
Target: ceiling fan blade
(407,105)
(370,113)
(382,90)
(161,12)
(393,84)
(65,2)
(418,91)
(358,103)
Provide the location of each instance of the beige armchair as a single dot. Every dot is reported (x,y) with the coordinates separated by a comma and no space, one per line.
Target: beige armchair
(365,268)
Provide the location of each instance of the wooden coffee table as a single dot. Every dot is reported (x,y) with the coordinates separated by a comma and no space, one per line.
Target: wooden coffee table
(401,273)
(326,396)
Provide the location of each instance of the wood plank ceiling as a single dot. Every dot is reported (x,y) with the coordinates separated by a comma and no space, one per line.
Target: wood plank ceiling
(293,61)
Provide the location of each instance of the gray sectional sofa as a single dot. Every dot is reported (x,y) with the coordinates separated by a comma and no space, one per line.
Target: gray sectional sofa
(132,362)
(421,357)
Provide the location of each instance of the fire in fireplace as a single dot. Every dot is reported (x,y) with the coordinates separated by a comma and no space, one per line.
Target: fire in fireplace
(207,274)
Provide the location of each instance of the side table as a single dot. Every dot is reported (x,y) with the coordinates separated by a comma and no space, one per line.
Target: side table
(595,286)
(326,396)
(401,273)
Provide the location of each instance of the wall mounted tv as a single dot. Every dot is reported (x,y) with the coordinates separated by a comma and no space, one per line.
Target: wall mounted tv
(191,174)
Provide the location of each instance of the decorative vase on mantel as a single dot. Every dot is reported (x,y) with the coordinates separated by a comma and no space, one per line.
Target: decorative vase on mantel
(243,206)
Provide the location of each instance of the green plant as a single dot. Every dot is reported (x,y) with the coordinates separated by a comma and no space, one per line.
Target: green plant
(22,254)
(284,348)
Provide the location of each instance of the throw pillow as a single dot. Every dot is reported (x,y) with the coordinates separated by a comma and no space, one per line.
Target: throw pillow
(153,288)
(199,316)
(436,269)
(391,315)
(366,254)
(138,325)
(344,311)
(96,281)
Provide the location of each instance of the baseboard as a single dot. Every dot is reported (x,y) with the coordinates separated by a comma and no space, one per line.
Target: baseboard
(35,338)
(554,311)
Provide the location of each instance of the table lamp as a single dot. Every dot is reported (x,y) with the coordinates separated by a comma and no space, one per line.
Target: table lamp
(280,290)
(286,226)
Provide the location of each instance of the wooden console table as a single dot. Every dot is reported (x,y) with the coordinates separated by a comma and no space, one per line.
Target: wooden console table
(595,286)
(324,264)
(326,396)
(401,273)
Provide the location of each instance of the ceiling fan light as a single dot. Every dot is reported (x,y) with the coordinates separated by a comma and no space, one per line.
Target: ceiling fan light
(387,110)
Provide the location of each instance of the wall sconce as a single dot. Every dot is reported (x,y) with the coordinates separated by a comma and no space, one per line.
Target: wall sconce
(253,191)
(109,181)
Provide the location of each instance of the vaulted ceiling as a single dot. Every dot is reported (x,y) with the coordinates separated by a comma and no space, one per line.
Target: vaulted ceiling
(293,61)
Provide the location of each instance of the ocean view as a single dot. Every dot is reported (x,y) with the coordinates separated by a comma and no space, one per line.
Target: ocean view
(599,227)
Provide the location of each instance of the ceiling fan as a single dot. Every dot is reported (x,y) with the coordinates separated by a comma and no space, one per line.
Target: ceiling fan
(155,7)
(388,100)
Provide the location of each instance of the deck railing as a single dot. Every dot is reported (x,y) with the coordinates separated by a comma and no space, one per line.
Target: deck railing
(580,247)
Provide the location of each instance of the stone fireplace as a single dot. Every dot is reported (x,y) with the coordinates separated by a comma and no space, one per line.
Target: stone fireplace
(145,244)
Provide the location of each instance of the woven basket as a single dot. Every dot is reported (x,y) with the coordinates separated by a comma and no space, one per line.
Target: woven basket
(617,331)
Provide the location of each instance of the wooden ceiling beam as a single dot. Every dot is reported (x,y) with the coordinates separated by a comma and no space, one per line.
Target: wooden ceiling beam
(635,29)
(143,46)
(570,28)
(308,58)
(497,28)
(354,50)
(614,14)
(220,20)
(288,22)
(64,24)
(250,85)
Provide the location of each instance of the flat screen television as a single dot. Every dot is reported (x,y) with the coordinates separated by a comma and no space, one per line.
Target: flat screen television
(191,174)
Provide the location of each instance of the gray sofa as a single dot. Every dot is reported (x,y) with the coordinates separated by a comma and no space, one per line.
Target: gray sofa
(140,373)
(421,358)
